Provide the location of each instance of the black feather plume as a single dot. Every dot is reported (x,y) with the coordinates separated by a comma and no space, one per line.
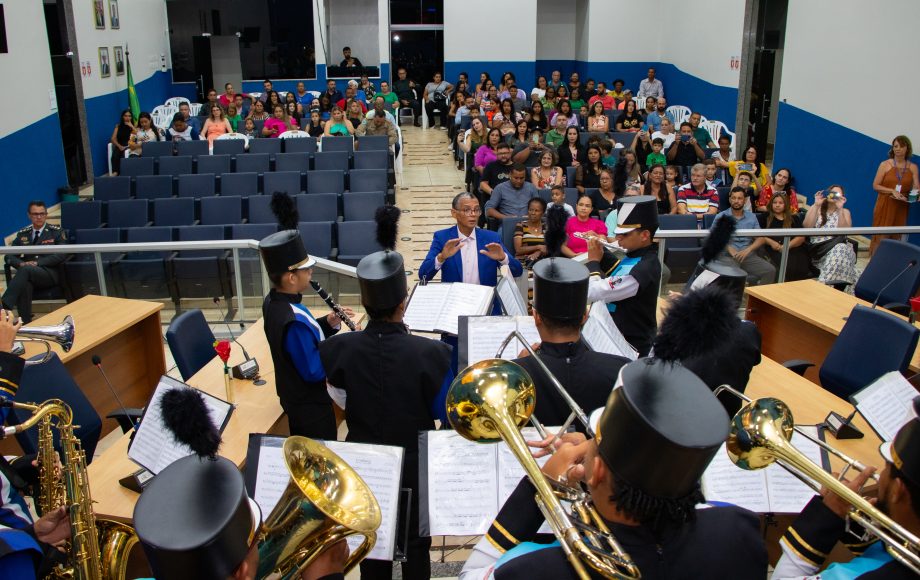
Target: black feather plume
(719,236)
(387,218)
(697,323)
(555,235)
(186,416)
(285,211)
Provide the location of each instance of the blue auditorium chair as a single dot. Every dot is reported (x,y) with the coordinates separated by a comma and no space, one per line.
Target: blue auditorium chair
(134,166)
(250,263)
(175,166)
(356,240)
(891,258)
(330,160)
(221,210)
(292,161)
(283,181)
(373,143)
(259,210)
(80,274)
(144,274)
(229,147)
(346,144)
(253,162)
(330,181)
(195,149)
(216,164)
(153,186)
(157,149)
(318,207)
(242,184)
(199,185)
(371,159)
(681,254)
(107,188)
(301,145)
(200,273)
(190,341)
(127,213)
(318,238)
(80,215)
(174,212)
(265,146)
(367,180)
(361,206)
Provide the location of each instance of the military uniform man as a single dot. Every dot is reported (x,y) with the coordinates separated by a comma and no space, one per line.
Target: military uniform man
(33,270)
(631,288)
(391,382)
(294,336)
(559,309)
(655,438)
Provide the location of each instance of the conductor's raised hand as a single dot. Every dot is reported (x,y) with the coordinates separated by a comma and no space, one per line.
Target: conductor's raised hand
(450,248)
(494,251)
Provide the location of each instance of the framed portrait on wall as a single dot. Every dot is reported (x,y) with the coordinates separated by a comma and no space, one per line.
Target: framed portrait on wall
(105,69)
(119,54)
(3,44)
(114,19)
(99,13)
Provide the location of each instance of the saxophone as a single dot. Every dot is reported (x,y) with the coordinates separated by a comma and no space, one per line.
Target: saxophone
(98,549)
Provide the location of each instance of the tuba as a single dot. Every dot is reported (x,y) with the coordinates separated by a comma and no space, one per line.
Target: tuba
(324,502)
(98,549)
(62,334)
(760,434)
(490,401)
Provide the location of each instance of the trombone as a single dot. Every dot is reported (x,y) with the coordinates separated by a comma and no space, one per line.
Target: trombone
(62,334)
(760,434)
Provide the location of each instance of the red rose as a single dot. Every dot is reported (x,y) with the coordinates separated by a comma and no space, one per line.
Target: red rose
(223,349)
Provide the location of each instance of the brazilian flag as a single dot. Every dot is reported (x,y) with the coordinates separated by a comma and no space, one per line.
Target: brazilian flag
(133,103)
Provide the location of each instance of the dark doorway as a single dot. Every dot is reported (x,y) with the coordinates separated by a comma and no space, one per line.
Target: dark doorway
(65,91)
(420,51)
(767,66)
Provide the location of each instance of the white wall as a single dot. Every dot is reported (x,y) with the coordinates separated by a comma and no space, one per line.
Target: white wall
(854,70)
(555,26)
(622,30)
(356,24)
(488,30)
(702,41)
(26,68)
(582,31)
(143,29)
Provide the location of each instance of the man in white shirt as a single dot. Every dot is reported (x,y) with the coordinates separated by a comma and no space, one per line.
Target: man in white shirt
(651,87)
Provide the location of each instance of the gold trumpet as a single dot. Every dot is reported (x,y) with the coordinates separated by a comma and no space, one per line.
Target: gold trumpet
(760,434)
(63,334)
(325,501)
(490,401)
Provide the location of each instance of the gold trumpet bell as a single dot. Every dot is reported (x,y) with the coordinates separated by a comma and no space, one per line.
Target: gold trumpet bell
(496,383)
(756,429)
(325,501)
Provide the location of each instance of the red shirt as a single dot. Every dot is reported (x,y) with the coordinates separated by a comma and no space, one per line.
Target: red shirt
(607,100)
(341,105)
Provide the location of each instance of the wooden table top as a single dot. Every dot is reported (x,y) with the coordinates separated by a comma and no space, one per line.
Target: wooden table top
(96,319)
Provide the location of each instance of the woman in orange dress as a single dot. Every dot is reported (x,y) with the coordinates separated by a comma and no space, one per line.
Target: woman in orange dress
(216,125)
(895,178)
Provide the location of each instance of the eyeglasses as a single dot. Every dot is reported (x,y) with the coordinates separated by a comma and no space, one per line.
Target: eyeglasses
(470,211)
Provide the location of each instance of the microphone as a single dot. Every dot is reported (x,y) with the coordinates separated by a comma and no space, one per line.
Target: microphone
(249,368)
(97,362)
(910,265)
(842,427)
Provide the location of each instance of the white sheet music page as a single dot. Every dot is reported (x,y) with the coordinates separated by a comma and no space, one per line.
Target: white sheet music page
(725,482)
(424,307)
(462,485)
(380,467)
(620,346)
(468,299)
(788,494)
(887,404)
(507,290)
(154,446)
(272,475)
(486,333)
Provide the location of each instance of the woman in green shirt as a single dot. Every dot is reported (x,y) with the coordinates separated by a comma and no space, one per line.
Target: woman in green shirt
(234,117)
(575,99)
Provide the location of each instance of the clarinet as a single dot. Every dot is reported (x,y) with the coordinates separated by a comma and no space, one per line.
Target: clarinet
(335,307)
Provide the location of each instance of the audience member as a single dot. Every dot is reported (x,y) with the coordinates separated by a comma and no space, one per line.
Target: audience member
(389,97)
(555,80)
(475,137)
(724,154)
(249,129)
(695,198)
(367,87)
(630,120)
(520,139)
(604,198)
(349,61)
(744,179)
(602,97)
(564,108)
(332,92)
(303,97)
(482,87)
(656,157)
(33,271)
(529,245)
(781,216)
(654,118)
(274,98)
(617,93)
(351,95)
(505,119)
(194,122)
(557,194)
(650,86)
(228,97)
(611,220)
(557,136)
(242,107)
(628,166)
(657,187)
(380,125)
(540,88)
(257,113)
(315,126)
(685,151)
(279,123)
(700,133)
(494,171)
(588,174)
(121,139)
(337,125)
(744,252)
(488,153)
(627,97)
(673,177)
(234,118)
(712,177)
(180,130)
(590,90)
(217,125)
(585,225)
(536,118)
(548,174)
(211,101)
(510,198)
(894,180)
(435,98)
(598,122)
(354,113)
(650,114)
(576,99)
(144,133)
(571,151)
(266,91)
(666,133)
(750,163)
(832,254)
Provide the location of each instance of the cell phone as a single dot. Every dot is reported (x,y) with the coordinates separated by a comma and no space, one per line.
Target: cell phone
(685,138)
(645,127)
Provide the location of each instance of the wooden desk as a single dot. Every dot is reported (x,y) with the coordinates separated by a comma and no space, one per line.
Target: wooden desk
(801,320)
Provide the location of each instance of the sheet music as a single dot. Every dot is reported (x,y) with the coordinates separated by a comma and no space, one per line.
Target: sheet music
(272,476)
(462,485)
(887,404)
(379,466)
(468,299)
(788,494)
(486,333)
(601,331)
(424,307)
(512,301)
(154,446)
(510,470)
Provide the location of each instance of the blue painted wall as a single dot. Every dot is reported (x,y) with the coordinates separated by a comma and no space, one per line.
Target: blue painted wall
(317,84)
(102,113)
(33,168)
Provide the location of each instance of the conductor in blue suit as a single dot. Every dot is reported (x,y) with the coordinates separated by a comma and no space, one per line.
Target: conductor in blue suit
(465,253)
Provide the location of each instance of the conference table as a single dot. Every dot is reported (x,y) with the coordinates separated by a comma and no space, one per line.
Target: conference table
(801,320)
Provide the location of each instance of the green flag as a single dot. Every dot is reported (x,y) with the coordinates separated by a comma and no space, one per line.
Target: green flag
(133,103)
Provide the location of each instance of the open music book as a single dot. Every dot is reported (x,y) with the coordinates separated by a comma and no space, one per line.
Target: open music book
(153,446)
(480,336)
(435,307)
(768,490)
(513,303)
(380,466)
(602,335)
(464,484)
(887,404)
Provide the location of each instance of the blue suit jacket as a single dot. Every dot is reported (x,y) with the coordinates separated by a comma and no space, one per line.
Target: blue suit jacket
(452,269)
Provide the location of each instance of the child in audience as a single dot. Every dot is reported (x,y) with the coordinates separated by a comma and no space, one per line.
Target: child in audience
(558,197)
(744,179)
(607,150)
(249,129)
(656,157)
(711,170)
(672,177)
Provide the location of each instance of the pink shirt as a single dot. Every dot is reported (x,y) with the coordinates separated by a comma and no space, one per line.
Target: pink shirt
(272,122)
(484,156)
(574,225)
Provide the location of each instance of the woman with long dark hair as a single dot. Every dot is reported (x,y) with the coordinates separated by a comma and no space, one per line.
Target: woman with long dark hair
(588,174)
(571,152)
(657,187)
(629,120)
(536,118)
(781,216)
(121,138)
(506,118)
(598,122)
(783,182)
(145,132)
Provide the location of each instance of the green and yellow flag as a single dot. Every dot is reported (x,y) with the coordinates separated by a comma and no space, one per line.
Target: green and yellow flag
(133,103)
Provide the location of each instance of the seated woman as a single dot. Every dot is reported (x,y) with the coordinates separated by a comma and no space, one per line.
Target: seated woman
(583,224)
(548,174)
(564,107)
(482,87)
(528,234)
(338,125)
(604,199)
(571,152)
(631,167)
(315,126)
(486,154)
(549,99)
(278,124)
(470,141)
(656,187)
(217,125)
(783,182)
(630,120)
(750,163)
(536,118)
(666,132)
(234,117)
(506,118)
(521,135)
(540,89)
(490,104)
(832,255)
(781,216)
(598,122)
(354,114)
(293,113)
(588,174)
(256,113)
(144,132)
(576,100)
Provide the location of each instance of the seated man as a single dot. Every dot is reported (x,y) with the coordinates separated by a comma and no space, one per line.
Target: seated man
(701,135)
(193,122)
(334,94)
(556,137)
(352,93)
(654,440)
(181,130)
(496,172)
(33,270)
(604,97)
(685,150)
(403,87)
(378,124)
(744,252)
(348,60)
(510,199)
(650,86)
(696,198)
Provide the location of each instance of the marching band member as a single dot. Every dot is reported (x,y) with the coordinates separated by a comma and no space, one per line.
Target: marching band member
(655,438)
(631,289)
(391,381)
(293,333)
(823,522)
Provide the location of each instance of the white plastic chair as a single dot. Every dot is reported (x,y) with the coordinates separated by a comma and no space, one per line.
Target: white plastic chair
(291,134)
(316,94)
(640,103)
(282,95)
(176,101)
(255,95)
(680,113)
(715,129)
(162,116)
(194,108)
(227,136)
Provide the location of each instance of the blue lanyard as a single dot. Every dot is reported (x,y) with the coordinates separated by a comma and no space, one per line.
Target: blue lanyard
(897,172)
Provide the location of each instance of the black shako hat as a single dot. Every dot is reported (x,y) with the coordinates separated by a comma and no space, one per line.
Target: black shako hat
(382,278)
(721,275)
(663,411)
(904,451)
(284,252)
(560,288)
(195,520)
(636,212)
